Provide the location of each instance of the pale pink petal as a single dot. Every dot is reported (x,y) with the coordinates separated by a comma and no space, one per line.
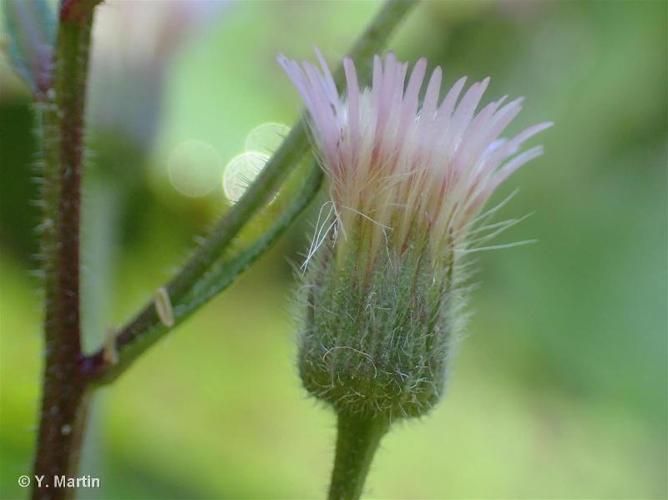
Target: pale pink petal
(518,161)
(412,91)
(448,104)
(392,162)
(328,80)
(353,96)
(431,95)
(464,112)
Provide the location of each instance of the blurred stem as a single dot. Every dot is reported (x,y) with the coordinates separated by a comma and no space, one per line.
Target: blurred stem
(145,328)
(77,10)
(220,277)
(357,440)
(64,385)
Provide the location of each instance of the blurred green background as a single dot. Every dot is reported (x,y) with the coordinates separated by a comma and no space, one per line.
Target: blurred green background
(559,388)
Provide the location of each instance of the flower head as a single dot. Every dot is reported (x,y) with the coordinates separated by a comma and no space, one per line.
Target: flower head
(407,180)
(403,168)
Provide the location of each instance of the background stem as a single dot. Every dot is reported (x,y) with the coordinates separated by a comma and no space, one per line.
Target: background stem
(64,396)
(357,440)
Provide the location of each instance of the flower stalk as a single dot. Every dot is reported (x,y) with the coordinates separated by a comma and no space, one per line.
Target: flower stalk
(357,438)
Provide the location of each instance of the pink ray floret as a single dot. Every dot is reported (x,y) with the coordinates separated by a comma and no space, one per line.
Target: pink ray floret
(402,164)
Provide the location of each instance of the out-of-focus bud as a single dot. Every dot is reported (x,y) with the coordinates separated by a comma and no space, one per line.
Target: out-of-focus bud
(133,42)
(31,26)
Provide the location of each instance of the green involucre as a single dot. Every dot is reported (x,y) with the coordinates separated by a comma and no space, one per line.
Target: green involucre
(378,329)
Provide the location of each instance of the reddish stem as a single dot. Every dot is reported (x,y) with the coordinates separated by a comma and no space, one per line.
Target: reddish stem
(65,386)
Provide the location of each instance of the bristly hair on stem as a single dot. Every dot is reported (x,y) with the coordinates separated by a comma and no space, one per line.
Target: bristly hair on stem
(64,390)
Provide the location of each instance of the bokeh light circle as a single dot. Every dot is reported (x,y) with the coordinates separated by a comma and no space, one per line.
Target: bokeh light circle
(266,138)
(240,173)
(193,168)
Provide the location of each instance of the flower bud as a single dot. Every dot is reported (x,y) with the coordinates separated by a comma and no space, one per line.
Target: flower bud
(407,181)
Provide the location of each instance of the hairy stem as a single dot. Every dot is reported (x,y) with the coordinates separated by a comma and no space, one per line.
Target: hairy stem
(64,388)
(215,281)
(145,328)
(357,440)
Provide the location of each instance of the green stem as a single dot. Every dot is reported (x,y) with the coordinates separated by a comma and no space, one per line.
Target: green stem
(357,440)
(64,390)
(220,277)
(216,280)
(145,328)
